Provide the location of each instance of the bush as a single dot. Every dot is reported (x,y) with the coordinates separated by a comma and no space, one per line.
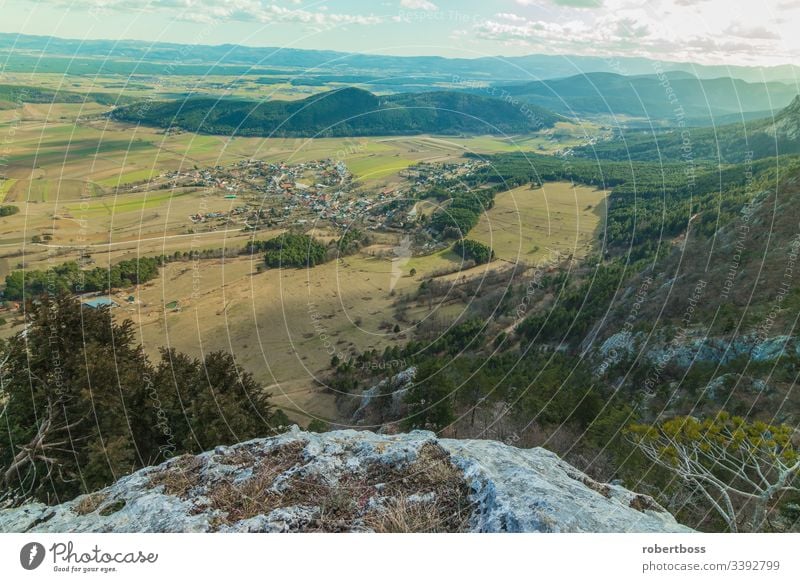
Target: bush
(455,222)
(473,250)
(351,241)
(292,250)
(318,425)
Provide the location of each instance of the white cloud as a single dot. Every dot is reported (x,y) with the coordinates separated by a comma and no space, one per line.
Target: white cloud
(262,11)
(418,5)
(510,17)
(695,30)
(757,32)
(569,3)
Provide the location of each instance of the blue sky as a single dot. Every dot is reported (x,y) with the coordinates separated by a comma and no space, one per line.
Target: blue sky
(705,31)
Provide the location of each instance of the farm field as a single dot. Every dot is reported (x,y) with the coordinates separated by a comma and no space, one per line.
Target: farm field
(5,186)
(110,154)
(113,232)
(158,86)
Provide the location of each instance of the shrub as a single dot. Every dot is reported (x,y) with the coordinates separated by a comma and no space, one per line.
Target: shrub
(292,250)
(473,250)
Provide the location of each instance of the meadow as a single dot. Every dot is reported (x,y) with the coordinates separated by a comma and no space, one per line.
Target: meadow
(528,224)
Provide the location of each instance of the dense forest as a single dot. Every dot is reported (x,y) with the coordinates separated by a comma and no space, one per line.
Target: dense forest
(85,406)
(344,112)
(472,250)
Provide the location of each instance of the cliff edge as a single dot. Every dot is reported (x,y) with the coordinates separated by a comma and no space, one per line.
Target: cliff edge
(354,481)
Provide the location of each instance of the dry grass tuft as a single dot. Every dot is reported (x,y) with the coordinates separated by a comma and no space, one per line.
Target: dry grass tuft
(402,515)
(89,503)
(250,497)
(428,495)
(644,503)
(180,477)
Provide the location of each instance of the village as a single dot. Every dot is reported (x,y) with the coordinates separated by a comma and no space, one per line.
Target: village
(278,194)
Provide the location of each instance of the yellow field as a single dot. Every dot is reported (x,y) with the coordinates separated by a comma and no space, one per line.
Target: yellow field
(526,224)
(266,318)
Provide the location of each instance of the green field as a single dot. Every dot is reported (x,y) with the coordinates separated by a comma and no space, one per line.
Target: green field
(37,190)
(377,166)
(129,177)
(5,187)
(127,203)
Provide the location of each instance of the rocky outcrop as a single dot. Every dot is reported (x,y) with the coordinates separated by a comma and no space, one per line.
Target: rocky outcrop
(354,481)
(388,393)
(691,350)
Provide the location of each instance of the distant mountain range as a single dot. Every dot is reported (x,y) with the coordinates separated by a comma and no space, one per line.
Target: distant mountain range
(344,112)
(82,56)
(670,97)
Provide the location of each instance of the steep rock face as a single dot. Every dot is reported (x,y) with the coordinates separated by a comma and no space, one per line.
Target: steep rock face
(698,349)
(354,481)
(787,122)
(388,393)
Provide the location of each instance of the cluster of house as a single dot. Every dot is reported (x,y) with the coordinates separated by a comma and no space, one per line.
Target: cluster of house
(282,193)
(221,216)
(428,174)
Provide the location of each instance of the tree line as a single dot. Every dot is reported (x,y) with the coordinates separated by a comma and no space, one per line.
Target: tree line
(70,278)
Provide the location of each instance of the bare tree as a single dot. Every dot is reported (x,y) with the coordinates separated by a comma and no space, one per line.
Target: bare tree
(4,399)
(20,475)
(20,472)
(739,467)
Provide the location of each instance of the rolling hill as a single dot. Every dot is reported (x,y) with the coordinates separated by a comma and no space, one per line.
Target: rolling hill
(344,112)
(733,143)
(703,101)
(12,96)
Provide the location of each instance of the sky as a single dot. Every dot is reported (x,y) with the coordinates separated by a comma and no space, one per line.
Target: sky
(745,32)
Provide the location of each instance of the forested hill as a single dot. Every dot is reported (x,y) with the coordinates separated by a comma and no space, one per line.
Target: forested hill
(344,112)
(12,96)
(734,143)
(703,101)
